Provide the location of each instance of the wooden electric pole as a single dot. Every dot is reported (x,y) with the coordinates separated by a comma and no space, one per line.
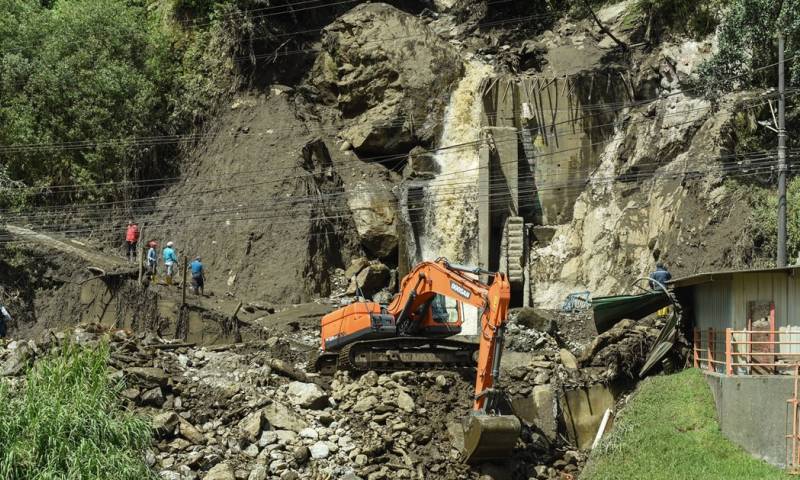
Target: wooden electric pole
(781,159)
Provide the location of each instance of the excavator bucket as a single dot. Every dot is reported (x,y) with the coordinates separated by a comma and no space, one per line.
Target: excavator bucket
(490,437)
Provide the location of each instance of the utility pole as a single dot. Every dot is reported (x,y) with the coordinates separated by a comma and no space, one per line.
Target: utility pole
(781,158)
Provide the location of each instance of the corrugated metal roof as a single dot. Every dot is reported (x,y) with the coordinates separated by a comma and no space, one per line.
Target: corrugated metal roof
(706,277)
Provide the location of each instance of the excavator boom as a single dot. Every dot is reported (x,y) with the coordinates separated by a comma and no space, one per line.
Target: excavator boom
(411,333)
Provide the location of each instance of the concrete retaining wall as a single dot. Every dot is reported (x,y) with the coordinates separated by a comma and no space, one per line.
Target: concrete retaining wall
(752,412)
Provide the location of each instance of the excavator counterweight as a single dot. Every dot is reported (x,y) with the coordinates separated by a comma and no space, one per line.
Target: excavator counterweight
(411,333)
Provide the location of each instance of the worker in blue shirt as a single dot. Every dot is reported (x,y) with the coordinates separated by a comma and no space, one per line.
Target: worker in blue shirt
(170,261)
(661,275)
(198,276)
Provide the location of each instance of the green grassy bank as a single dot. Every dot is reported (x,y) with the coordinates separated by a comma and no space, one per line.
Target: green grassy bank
(66,423)
(669,431)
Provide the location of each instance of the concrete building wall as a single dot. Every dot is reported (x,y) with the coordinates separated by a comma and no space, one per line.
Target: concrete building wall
(752,412)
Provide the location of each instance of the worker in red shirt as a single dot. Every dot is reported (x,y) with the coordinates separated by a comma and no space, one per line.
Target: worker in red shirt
(131,239)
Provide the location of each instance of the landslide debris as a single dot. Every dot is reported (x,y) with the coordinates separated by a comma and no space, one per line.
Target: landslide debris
(251,411)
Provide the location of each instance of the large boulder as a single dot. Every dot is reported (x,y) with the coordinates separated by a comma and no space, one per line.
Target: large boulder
(220,471)
(374,210)
(281,417)
(371,280)
(390,73)
(307,395)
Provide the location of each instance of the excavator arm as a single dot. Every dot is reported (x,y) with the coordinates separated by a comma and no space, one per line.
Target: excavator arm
(429,279)
(488,435)
(364,335)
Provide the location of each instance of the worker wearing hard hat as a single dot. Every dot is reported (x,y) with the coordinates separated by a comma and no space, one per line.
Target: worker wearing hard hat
(131,240)
(152,259)
(170,260)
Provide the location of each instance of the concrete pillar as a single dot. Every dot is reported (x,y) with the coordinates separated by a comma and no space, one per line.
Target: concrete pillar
(506,154)
(484,207)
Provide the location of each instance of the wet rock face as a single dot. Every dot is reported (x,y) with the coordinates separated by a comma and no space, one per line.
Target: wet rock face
(389,73)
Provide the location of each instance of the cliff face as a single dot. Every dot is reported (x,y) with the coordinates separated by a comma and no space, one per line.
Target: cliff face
(607,154)
(426,131)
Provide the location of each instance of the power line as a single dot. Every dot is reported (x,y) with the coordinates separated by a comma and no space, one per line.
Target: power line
(456,194)
(376,159)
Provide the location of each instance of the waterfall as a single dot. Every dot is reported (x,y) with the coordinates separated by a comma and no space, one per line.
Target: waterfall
(451,198)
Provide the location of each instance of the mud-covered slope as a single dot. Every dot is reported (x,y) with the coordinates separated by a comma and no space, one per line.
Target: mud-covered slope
(261,204)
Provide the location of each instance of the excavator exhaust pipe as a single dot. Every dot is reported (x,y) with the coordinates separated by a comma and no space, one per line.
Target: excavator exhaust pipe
(490,437)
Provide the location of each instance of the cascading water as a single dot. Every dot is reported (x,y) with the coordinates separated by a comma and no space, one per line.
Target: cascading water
(451,198)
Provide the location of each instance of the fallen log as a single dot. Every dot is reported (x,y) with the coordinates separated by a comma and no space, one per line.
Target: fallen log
(282,368)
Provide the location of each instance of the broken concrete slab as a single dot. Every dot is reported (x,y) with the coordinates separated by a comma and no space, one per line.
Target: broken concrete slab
(583,410)
(539,408)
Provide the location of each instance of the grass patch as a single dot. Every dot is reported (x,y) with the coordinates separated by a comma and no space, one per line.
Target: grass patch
(67,423)
(669,431)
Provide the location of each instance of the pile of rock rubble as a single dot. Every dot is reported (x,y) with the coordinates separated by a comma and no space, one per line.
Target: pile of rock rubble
(251,412)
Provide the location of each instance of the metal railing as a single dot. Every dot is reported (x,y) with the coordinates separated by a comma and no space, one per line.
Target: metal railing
(747,352)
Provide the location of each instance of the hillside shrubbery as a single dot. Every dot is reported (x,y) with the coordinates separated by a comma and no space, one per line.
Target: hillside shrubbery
(106,72)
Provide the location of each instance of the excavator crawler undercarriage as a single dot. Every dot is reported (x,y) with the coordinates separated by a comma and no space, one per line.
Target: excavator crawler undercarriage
(395,354)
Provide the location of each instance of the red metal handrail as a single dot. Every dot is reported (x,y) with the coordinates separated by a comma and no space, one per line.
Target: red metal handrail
(708,353)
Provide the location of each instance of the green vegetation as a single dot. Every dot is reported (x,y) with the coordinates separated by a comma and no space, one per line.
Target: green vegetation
(688,17)
(108,72)
(67,423)
(762,225)
(669,431)
(748,41)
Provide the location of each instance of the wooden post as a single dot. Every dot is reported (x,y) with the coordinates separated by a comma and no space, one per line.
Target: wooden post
(183,287)
(140,255)
(728,352)
(696,348)
(711,350)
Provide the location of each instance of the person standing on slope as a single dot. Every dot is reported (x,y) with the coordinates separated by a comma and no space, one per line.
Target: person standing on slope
(152,259)
(170,260)
(131,240)
(198,276)
(5,320)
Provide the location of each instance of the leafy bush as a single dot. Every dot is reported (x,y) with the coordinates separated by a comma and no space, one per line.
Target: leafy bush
(679,16)
(67,423)
(103,70)
(762,225)
(748,41)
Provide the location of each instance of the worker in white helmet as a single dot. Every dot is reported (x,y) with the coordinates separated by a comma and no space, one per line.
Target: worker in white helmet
(170,260)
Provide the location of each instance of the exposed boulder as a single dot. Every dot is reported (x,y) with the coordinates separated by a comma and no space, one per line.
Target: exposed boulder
(374,210)
(371,280)
(307,395)
(281,417)
(420,164)
(356,265)
(251,426)
(387,70)
(20,358)
(164,424)
(221,471)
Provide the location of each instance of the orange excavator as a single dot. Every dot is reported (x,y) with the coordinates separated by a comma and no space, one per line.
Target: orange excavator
(412,332)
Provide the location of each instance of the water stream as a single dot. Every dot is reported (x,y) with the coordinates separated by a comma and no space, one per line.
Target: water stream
(451,199)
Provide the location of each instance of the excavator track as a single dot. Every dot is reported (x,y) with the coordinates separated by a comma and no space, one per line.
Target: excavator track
(407,353)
